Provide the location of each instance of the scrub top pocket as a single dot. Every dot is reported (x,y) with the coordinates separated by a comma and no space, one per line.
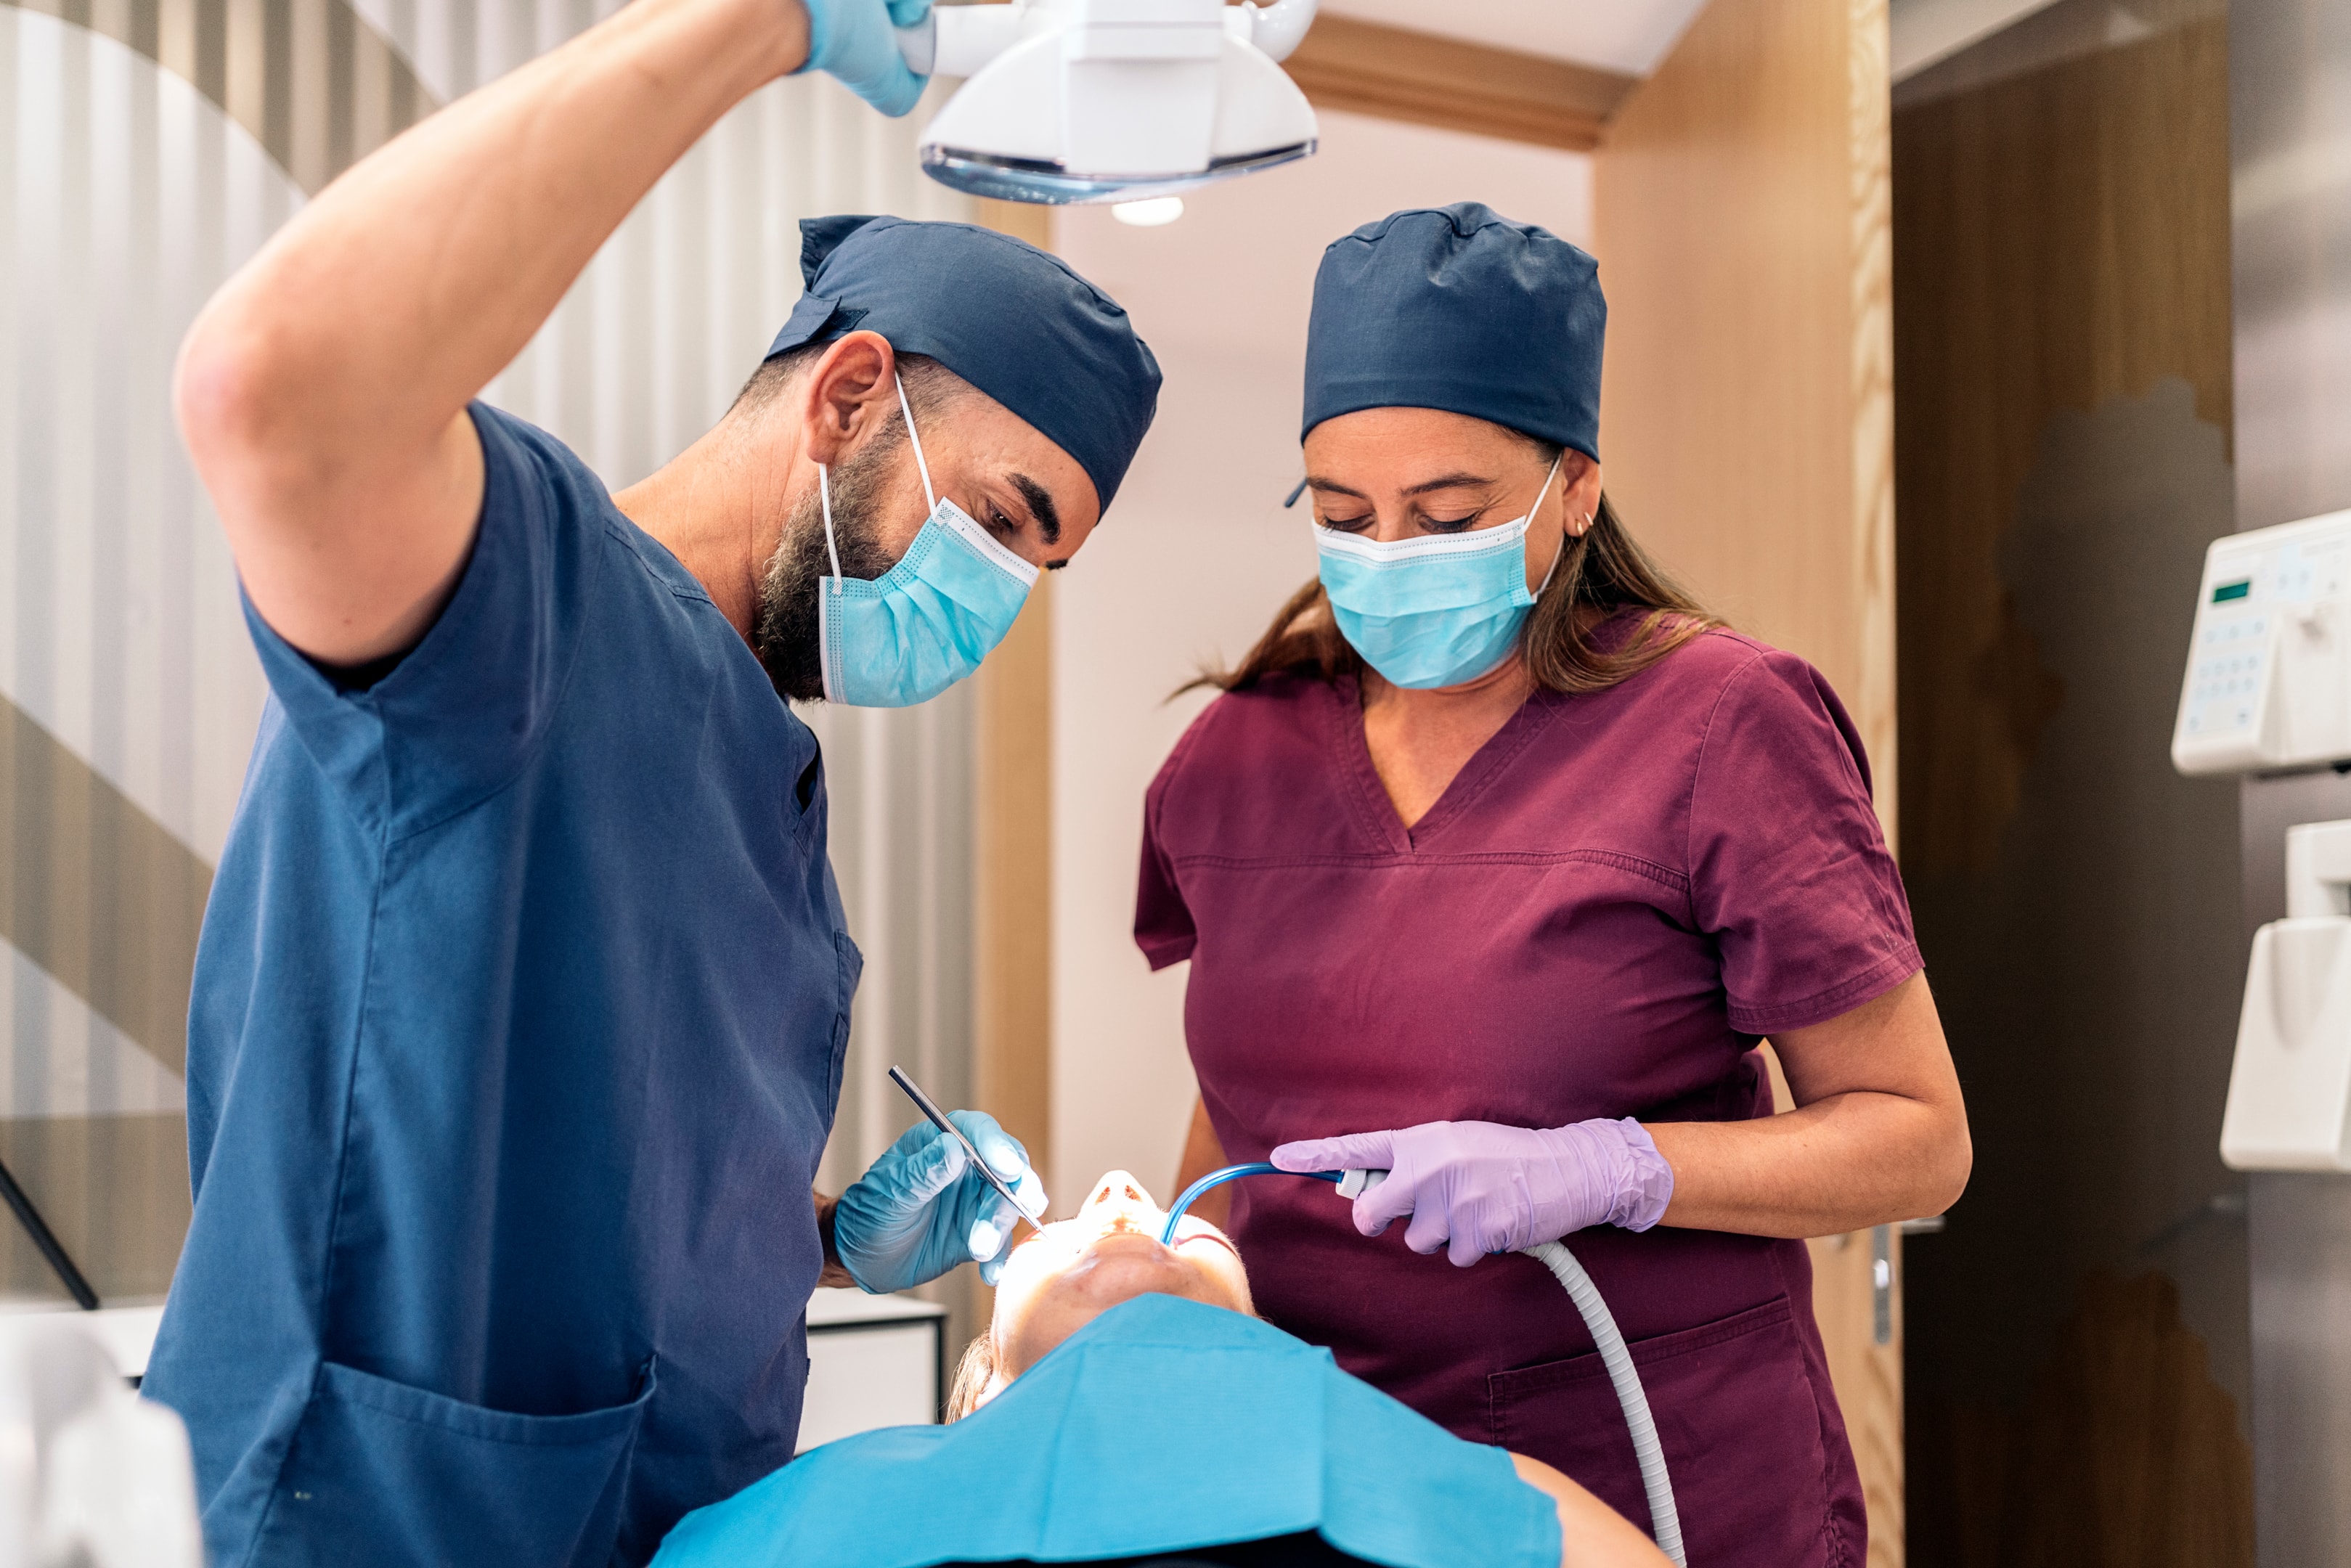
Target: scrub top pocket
(379,1473)
(1741,1377)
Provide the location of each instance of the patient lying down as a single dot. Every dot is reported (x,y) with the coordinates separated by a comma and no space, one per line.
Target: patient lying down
(1125,1405)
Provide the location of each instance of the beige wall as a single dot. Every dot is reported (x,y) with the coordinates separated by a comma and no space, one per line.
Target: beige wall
(1194,559)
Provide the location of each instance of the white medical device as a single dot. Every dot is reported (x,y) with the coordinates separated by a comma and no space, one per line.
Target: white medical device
(91,1476)
(1110,101)
(2268,685)
(2290,1089)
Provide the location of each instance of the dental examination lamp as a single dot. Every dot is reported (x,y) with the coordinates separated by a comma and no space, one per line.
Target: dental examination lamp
(1110,101)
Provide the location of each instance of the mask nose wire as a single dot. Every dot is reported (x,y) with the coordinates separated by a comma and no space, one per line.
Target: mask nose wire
(930,496)
(824,493)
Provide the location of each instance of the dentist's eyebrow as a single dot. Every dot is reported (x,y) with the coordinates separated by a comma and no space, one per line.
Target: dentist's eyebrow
(1041,507)
(1316,482)
(1448,482)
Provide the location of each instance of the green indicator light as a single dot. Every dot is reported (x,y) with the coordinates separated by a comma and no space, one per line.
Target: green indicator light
(2229,591)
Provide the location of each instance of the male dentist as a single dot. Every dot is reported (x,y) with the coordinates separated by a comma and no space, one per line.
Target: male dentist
(520,1010)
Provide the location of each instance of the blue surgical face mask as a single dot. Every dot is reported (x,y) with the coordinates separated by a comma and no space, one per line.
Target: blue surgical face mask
(909,634)
(1437,611)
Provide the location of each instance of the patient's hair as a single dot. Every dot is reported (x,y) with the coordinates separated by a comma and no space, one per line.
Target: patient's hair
(972,1375)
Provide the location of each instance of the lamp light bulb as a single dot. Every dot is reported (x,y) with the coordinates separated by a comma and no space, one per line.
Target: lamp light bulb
(1151,214)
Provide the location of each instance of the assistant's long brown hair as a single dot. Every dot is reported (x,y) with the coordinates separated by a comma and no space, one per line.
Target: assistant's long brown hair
(1599,574)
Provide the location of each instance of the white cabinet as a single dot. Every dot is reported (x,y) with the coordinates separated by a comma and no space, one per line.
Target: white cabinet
(874,1361)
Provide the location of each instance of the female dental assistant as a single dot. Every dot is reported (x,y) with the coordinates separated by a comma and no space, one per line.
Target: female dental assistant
(1494,862)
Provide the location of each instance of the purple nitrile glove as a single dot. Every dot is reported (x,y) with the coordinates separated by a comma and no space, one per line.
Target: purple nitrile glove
(1476,1187)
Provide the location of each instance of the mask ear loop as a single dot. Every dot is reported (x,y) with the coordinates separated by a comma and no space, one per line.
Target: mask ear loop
(930,496)
(824,493)
(1560,554)
(824,481)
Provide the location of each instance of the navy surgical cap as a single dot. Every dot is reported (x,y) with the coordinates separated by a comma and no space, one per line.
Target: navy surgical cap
(1011,319)
(1459,308)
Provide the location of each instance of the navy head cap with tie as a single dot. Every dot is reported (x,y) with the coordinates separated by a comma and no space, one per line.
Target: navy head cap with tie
(1459,308)
(1013,321)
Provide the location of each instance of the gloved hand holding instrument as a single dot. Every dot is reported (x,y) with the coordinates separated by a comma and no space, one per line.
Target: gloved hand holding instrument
(1474,1189)
(1477,1187)
(950,1189)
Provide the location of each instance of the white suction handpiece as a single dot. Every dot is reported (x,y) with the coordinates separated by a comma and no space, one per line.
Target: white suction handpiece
(1353,1184)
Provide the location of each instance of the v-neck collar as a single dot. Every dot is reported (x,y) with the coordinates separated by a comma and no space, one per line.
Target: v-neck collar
(1378,813)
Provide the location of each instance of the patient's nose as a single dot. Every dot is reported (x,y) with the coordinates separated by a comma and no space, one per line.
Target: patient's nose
(1118,1194)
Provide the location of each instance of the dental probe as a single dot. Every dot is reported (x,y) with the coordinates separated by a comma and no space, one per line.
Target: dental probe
(939,1119)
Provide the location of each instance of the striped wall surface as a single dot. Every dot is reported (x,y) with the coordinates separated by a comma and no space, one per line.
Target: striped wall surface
(148,147)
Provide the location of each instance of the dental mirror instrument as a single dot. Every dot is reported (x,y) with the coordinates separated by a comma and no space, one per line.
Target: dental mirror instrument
(1032,1213)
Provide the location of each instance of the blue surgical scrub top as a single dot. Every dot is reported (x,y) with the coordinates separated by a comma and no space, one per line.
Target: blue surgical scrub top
(516,1034)
(1162,1425)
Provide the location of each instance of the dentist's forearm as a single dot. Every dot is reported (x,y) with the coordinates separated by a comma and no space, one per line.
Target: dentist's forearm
(1846,1163)
(415,277)
(1879,1134)
(322,390)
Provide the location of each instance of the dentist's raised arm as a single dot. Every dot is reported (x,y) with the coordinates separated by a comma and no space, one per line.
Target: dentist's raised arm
(322,392)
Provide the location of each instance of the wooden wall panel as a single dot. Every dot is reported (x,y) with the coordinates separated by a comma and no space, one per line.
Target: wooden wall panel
(1369,67)
(2063,328)
(2066,240)
(1013,928)
(1742,216)
(1742,212)
(1013,873)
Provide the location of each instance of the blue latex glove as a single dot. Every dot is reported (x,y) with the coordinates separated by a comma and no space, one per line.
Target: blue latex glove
(851,39)
(919,1211)
(1478,1187)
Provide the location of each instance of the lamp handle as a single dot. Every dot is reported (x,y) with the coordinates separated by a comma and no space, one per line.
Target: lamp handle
(1278,28)
(957,40)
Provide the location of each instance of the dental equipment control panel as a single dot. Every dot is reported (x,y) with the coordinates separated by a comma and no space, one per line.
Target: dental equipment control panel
(2267,685)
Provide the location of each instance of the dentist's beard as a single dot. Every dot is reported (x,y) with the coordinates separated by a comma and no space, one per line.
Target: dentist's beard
(784,634)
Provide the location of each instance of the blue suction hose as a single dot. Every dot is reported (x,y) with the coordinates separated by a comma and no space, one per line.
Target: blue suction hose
(1665,1520)
(1230,1173)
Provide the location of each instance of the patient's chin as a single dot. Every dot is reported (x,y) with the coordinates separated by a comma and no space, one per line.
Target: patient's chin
(1110,1273)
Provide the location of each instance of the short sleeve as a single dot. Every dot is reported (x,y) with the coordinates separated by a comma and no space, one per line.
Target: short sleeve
(1163,921)
(458,714)
(1788,869)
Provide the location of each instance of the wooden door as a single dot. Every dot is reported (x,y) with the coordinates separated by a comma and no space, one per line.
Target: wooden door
(1743,224)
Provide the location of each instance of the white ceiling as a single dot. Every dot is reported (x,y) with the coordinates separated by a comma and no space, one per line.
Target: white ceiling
(1925,31)
(1628,36)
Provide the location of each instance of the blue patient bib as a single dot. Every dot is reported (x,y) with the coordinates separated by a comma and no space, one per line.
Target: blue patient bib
(1163,1425)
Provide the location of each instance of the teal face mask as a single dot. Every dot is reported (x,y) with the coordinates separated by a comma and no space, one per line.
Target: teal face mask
(1433,611)
(909,634)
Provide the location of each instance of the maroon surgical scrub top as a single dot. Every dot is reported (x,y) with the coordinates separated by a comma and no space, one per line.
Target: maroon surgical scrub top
(1616,897)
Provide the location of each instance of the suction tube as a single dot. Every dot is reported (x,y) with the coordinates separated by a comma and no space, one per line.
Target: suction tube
(1219,1179)
(1665,1519)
